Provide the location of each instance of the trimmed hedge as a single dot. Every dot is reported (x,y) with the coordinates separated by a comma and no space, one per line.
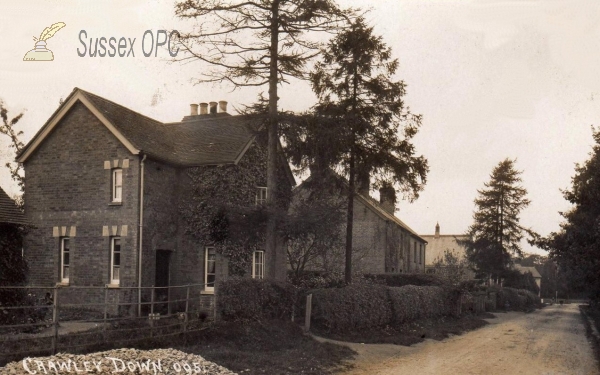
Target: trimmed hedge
(356,306)
(252,299)
(419,302)
(518,299)
(402,279)
(367,305)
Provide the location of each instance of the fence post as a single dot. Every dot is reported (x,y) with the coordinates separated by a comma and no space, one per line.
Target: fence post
(55,321)
(187,305)
(169,300)
(308,313)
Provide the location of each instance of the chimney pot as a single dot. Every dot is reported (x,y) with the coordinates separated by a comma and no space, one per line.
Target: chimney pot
(437,230)
(193,109)
(204,108)
(213,107)
(387,198)
(223,106)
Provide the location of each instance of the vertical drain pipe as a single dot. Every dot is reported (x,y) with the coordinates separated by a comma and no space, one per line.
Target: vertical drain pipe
(141,231)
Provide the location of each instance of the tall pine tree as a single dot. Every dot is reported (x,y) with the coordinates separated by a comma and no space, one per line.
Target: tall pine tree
(361,125)
(496,233)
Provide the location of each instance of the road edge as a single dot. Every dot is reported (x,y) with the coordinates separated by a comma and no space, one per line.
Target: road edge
(591,331)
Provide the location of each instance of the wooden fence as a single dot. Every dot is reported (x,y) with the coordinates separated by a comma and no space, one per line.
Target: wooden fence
(78,318)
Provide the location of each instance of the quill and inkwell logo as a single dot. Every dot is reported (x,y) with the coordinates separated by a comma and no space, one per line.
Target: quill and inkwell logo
(40,52)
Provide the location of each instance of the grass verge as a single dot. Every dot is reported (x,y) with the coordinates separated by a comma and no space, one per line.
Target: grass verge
(411,333)
(270,348)
(251,348)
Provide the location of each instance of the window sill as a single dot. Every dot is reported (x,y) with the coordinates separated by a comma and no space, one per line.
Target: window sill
(62,284)
(209,292)
(115,203)
(112,286)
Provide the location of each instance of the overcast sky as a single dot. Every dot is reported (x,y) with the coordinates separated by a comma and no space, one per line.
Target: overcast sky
(492,79)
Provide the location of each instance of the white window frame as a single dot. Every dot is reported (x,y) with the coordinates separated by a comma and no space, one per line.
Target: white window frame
(208,249)
(117,190)
(258,265)
(63,279)
(113,280)
(260,200)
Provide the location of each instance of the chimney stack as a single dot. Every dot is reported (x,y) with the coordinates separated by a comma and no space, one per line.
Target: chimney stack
(387,198)
(193,109)
(223,106)
(204,108)
(437,230)
(213,107)
(363,181)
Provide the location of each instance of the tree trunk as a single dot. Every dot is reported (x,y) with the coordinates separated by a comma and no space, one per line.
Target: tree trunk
(349,221)
(277,266)
(352,172)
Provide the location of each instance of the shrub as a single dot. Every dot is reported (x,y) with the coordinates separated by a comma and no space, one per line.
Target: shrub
(419,302)
(252,299)
(366,305)
(353,307)
(517,280)
(518,299)
(315,280)
(402,279)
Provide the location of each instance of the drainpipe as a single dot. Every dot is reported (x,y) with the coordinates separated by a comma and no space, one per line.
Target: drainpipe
(141,230)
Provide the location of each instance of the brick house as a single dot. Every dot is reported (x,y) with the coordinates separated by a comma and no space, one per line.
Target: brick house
(104,187)
(438,244)
(381,242)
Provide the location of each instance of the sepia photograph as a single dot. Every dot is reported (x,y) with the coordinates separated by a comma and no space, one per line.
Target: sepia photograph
(343,187)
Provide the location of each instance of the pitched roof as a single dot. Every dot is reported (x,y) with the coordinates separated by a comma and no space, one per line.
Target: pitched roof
(381,212)
(436,246)
(9,213)
(533,270)
(209,139)
(373,205)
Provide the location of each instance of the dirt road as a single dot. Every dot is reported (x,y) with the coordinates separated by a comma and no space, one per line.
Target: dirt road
(550,341)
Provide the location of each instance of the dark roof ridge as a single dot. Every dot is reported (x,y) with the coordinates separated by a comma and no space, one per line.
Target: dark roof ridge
(444,235)
(119,105)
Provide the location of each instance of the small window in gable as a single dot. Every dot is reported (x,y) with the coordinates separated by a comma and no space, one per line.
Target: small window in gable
(261,196)
(117,185)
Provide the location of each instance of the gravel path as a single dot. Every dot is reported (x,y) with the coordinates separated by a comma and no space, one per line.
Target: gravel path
(125,361)
(550,341)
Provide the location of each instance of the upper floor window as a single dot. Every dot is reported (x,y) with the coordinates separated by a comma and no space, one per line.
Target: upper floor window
(115,260)
(65,259)
(117,185)
(261,196)
(258,265)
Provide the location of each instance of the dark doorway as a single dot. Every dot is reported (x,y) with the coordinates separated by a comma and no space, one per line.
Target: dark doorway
(161,295)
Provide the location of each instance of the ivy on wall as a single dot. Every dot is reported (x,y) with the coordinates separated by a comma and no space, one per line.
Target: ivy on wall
(222,209)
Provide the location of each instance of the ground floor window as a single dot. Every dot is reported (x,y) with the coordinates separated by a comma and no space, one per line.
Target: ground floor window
(258,264)
(210,263)
(115,260)
(65,259)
